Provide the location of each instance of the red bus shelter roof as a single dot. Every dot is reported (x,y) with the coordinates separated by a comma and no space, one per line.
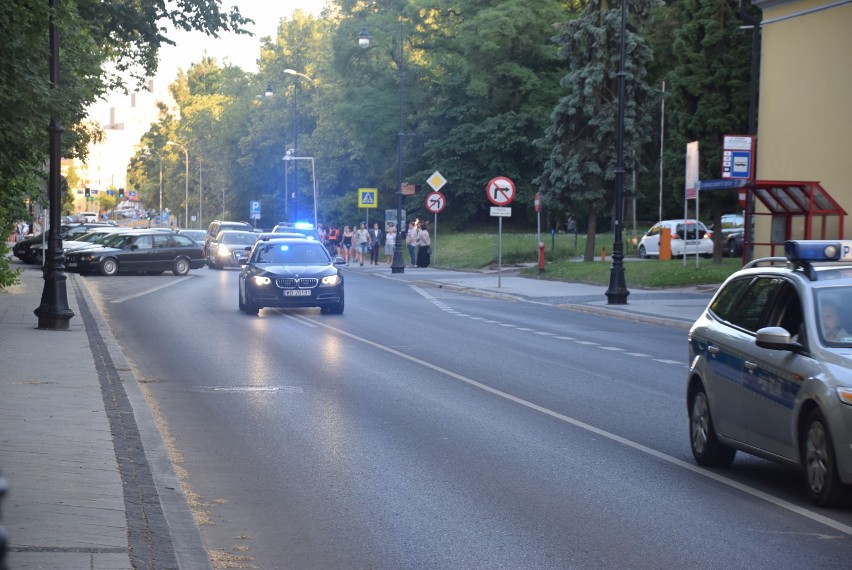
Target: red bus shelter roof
(795,198)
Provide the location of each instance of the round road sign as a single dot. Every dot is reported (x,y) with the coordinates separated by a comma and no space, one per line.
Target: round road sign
(435,202)
(500,191)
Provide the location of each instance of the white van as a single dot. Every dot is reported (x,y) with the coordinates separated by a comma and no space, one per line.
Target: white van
(87,217)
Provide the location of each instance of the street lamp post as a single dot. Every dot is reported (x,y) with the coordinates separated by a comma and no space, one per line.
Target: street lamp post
(289,156)
(296,144)
(398,263)
(186,204)
(617,292)
(54,312)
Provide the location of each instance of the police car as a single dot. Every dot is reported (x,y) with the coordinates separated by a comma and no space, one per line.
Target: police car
(770,367)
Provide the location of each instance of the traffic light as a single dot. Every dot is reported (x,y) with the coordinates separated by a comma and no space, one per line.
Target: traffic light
(121,193)
(88,193)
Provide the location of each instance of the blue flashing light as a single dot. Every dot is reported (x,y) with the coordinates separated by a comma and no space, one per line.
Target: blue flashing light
(814,250)
(303,225)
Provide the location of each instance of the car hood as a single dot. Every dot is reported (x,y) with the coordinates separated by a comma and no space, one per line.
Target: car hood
(273,270)
(94,249)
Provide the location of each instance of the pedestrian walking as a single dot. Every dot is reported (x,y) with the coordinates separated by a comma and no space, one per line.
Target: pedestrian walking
(361,241)
(346,244)
(411,242)
(375,243)
(390,242)
(334,240)
(424,246)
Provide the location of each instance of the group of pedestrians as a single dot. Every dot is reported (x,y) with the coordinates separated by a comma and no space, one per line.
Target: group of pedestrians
(359,244)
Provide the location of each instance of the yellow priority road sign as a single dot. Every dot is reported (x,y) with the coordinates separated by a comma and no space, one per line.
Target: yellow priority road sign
(368,197)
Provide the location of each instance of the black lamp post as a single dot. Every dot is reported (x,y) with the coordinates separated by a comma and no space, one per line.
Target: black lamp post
(617,292)
(54,312)
(398,263)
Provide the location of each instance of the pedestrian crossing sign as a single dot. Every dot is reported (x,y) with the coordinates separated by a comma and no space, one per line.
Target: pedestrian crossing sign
(368,197)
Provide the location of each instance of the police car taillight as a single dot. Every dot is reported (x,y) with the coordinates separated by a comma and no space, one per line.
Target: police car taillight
(814,250)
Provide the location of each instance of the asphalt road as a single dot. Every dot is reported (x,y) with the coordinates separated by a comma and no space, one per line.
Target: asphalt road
(424,428)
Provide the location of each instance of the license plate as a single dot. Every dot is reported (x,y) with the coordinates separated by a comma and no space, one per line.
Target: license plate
(298,293)
(72,264)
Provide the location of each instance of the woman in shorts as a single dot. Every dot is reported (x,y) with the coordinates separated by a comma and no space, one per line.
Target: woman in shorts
(346,243)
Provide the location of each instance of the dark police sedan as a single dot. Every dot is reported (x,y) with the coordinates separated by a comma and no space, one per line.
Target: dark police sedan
(141,251)
(291,272)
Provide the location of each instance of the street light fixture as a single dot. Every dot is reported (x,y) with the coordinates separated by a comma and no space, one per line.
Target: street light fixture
(398,263)
(186,204)
(617,292)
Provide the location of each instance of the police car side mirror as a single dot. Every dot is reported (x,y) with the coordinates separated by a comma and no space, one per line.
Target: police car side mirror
(776,338)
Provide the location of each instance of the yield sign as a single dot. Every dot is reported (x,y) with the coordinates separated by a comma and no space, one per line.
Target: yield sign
(500,191)
(435,202)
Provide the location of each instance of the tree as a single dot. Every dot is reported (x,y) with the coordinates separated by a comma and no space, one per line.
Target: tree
(580,170)
(94,36)
(709,82)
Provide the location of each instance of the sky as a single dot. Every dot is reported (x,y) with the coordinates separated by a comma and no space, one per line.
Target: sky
(239,50)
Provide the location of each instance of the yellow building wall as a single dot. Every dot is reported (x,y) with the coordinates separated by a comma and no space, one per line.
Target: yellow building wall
(805,101)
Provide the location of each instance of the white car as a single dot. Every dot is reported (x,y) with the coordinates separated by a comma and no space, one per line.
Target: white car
(687,237)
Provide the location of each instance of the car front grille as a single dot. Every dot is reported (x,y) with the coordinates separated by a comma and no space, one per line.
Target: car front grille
(292,283)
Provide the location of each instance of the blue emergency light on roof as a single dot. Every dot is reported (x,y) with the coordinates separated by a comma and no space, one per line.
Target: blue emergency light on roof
(818,250)
(303,225)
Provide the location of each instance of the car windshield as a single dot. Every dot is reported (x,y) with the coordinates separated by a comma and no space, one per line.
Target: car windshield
(834,316)
(119,241)
(291,254)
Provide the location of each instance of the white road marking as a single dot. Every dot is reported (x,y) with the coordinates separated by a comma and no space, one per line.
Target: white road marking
(142,293)
(781,503)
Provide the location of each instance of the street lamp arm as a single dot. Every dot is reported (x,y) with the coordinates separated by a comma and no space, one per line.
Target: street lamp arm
(302,75)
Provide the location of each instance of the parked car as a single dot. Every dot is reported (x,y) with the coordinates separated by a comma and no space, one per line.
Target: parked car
(138,251)
(24,251)
(197,236)
(732,230)
(688,237)
(288,273)
(87,217)
(770,368)
(78,241)
(229,248)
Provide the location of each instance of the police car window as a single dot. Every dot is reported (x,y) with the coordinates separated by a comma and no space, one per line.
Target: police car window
(727,298)
(787,311)
(751,307)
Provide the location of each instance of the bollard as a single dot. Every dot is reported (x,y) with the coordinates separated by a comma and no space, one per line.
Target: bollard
(541,256)
(603,254)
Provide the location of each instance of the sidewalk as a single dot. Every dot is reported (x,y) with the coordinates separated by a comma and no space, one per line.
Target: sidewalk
(89,481)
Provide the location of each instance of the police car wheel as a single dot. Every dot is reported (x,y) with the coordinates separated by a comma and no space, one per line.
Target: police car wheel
(820,469)
(706,448)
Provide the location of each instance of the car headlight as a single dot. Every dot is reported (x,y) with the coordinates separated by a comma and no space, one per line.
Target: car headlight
(261,280)
(223,251)
(331,280)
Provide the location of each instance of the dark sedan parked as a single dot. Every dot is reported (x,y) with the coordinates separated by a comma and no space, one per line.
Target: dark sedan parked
(291,272)
(147,251)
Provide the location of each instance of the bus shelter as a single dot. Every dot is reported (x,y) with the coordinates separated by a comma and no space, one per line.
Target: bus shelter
(797,210)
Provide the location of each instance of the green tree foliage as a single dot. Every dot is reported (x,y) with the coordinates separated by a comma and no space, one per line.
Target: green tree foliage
(122,35)
(708,78)
(580,171)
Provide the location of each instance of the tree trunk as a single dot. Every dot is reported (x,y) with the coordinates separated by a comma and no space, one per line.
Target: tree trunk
(589,254)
